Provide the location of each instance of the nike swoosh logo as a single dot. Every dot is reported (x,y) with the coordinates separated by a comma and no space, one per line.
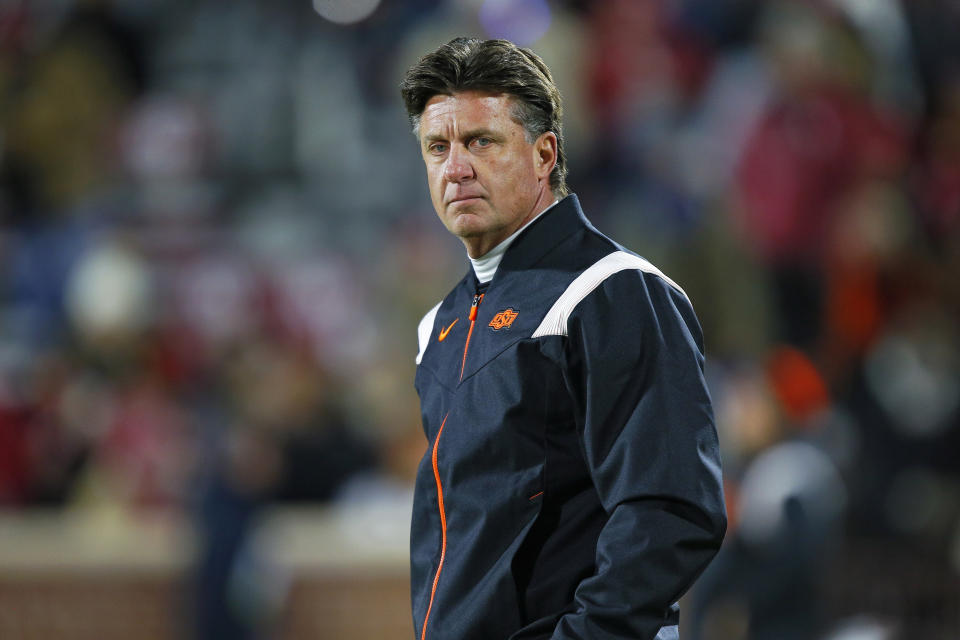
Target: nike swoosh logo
(444,332)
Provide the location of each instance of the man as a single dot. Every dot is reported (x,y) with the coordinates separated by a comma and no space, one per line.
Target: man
(571,486)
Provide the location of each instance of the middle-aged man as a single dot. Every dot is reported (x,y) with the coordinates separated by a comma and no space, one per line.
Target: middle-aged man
(571,487)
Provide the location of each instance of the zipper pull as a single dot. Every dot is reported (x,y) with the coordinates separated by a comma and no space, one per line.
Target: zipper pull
(473,317)
(476,303)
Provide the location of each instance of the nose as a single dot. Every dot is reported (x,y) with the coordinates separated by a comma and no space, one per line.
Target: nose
(458,167)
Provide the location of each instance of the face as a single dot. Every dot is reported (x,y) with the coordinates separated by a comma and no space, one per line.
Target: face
(486,180)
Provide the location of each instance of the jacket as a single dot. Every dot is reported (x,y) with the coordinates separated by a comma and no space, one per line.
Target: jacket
(571,486)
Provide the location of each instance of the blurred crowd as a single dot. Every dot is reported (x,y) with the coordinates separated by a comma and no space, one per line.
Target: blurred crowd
(216,243)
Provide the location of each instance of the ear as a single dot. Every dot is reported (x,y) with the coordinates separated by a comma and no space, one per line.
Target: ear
(545,154)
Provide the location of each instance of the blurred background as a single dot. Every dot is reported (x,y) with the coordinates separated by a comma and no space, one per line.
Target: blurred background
(216,242)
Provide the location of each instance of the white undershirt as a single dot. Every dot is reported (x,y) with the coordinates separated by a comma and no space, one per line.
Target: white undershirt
(486,265)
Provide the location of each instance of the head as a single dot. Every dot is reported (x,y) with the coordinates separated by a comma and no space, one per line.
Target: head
(488,118)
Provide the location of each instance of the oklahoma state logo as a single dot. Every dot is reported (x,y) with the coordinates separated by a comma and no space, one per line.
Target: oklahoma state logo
(503,319)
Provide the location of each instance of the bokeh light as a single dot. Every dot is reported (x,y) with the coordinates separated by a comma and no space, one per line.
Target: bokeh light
(345,11)
(520,21)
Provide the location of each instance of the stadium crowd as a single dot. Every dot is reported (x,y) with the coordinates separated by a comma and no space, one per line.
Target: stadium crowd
(216,242)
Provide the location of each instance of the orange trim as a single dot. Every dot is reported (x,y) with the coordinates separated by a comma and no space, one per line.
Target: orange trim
(473,321)
(436,469)
(443,527)
(536,495)
(444,332)
(465,347)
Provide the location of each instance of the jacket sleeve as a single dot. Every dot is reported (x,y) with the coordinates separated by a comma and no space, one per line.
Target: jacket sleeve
(634,366)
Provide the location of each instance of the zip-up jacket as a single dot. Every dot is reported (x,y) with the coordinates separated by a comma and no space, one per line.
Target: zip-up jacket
(571,485)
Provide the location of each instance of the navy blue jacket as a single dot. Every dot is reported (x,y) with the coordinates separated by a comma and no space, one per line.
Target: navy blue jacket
(571,486)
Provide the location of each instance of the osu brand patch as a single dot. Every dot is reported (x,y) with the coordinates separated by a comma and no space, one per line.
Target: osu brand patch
(503,319)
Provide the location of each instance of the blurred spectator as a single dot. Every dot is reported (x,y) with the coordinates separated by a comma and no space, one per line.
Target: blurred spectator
(819,136)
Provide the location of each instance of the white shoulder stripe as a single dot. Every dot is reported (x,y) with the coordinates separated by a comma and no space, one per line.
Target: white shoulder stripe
(425,328)
(555,322)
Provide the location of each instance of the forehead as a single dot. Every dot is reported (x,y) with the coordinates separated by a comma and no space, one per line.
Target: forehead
(467,110)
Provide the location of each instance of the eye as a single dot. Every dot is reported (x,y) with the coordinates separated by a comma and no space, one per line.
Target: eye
(482,141)
(437,148)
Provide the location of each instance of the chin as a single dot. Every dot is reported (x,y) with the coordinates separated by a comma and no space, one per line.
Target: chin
(466,217)
(472,206)
(467,230)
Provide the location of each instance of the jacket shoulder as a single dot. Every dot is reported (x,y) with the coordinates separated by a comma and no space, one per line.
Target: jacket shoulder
(555,321)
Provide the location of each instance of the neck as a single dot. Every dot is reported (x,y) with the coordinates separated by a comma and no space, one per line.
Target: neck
(486,266)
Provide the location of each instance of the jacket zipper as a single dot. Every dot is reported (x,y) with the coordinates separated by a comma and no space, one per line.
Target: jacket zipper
(436,473)
(443,527)
(473,320)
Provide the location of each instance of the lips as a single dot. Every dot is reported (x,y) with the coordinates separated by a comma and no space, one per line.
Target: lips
(464,197)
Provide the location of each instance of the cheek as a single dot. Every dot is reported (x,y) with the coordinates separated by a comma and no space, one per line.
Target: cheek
(435,181)
(520,176)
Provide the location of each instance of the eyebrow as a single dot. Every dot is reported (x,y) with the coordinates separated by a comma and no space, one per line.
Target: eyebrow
(473,133)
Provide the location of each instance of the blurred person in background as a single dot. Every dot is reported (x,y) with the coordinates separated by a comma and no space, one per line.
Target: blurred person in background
(571,487)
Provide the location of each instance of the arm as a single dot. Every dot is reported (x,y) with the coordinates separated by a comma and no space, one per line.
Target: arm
(634,365)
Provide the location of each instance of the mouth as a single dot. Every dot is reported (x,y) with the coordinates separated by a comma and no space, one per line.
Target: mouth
(465,199)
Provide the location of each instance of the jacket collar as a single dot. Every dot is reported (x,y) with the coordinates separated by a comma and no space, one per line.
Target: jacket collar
(545,233)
